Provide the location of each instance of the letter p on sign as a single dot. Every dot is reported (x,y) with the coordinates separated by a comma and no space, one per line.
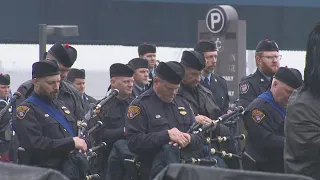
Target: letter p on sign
(215,19)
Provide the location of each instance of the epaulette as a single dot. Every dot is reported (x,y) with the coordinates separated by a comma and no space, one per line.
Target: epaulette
(257,103)
(26,88)
(28,84)
(64,87)
(68,87)
(206,90)
(247,77)
(219,77)
(141,97)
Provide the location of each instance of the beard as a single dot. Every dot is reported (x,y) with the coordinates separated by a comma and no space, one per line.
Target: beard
(270,71)
(209,69)
(48,95)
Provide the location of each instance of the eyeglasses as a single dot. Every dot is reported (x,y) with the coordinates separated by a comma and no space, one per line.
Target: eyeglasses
(270,58)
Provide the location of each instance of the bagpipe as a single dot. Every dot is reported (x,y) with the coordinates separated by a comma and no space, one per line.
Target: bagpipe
(9,104)
(198,128)
(220,139)
(83,132)
(222,154)
(235,127)
(201,161)
(9,130)
(77,166)
(207,130)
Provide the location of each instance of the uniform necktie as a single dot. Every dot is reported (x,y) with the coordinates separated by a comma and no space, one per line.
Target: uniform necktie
(207,83)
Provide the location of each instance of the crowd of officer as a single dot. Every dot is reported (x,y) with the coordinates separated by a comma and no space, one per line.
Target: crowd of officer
(146,126)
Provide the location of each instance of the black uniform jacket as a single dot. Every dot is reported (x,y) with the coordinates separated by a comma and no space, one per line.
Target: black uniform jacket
(201,101)
(149,119)
(4,123)
(113,115)
(45,140)
(218,87)
(251,87)
(87,100)
(67,93)
(265,139)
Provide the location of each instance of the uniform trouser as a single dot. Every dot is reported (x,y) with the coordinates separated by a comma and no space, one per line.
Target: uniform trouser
(4,151)
(168,155)
(119,152)
(172,154)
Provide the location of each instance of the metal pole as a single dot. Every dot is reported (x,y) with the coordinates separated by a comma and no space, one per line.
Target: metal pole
(42,40)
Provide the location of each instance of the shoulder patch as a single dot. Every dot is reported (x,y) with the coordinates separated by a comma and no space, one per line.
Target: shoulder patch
(244,87)
(133,111)
(22,111)
(257,115)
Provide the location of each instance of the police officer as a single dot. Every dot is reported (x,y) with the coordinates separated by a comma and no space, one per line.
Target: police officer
(158,117)
(140,76)
(301,150)
(66,55)
(264,121)
(148,52)
(267,60)
(201,99)
(78,79)
(113,113)
(44,125)
(4,121)
(215,83)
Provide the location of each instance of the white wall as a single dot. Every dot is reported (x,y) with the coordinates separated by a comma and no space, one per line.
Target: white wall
(17,60)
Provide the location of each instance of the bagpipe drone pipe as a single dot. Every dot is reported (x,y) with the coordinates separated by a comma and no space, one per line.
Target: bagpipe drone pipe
(78,164)
(234,125)
(219,141)
(198,128)
(8,130)
(83,131)
(9,108)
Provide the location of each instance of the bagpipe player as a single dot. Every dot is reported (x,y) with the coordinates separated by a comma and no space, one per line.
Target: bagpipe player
(45,126)
(158,118)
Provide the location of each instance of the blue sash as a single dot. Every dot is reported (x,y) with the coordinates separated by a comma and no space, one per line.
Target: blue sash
(53,112)
(267,96)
